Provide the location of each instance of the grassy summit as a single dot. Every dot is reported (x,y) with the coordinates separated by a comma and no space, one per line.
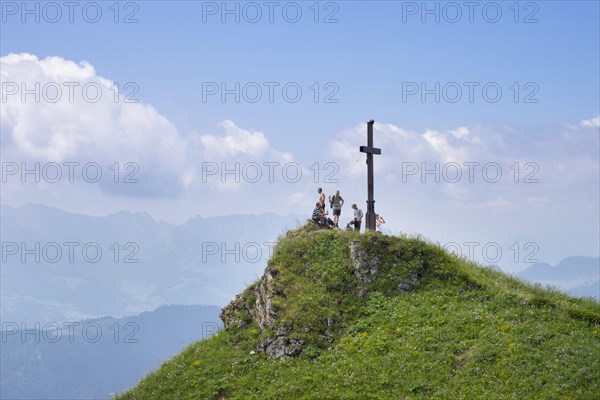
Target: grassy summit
(344,315)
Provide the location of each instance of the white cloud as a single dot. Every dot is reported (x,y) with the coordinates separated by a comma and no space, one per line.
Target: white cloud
(401,145)
(531,163)
(440,143)
(460,133)
(65,123)
(236,141)
(228,158)
(591,123)
(62,122)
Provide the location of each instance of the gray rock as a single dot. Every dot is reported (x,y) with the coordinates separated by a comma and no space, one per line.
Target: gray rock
(406,285)
(283,331)
(263,312)
(365,267)
(283,347)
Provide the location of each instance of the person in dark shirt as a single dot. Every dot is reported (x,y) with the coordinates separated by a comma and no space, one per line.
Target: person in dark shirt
(318,215)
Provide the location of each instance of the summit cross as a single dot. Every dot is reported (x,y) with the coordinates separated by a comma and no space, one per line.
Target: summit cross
(370,150)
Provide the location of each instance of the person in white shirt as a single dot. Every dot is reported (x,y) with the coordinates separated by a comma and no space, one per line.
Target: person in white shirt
(358,216)
(378,221)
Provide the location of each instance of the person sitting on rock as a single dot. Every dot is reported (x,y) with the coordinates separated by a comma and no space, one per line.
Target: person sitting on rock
(318,215)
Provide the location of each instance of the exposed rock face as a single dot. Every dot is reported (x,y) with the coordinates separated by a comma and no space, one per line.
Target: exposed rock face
(263,312)
(230,315)
(282,345)
(365,267)
(257,304)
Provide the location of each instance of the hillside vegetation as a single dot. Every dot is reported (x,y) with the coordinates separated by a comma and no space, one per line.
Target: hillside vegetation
(342,315)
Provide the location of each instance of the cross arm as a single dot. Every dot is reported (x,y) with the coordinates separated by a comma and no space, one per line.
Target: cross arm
(370,150)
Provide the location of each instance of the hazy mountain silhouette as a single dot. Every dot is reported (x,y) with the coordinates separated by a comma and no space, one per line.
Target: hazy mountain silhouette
(578,276)
(176,264)
(97,357)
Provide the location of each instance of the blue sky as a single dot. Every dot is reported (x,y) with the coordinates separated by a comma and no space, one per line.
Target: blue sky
(368,53)
(366,61)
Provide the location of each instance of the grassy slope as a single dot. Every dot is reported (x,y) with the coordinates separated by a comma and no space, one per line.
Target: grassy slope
(463,332)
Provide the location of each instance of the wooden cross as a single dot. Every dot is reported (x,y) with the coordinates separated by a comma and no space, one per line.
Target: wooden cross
(370,150)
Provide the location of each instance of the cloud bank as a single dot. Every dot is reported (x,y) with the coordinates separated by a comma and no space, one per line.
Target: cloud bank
(55,110)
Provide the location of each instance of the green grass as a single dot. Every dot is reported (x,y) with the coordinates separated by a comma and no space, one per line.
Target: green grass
(464,332)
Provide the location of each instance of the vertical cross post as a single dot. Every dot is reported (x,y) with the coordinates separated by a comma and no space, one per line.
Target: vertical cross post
(370,150)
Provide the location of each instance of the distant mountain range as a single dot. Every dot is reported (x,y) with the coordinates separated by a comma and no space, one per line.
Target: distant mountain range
(578,276)
(142,264)
(203,261)
(97,357)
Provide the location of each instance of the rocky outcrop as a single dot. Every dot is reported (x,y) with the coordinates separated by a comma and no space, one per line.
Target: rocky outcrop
(365,267)
(282,345)
(254,304)
(232,314)
(262,311)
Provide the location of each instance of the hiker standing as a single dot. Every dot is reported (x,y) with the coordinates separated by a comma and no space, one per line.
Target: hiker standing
(378,221)
(358,216)
(321,198)
(336,204)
